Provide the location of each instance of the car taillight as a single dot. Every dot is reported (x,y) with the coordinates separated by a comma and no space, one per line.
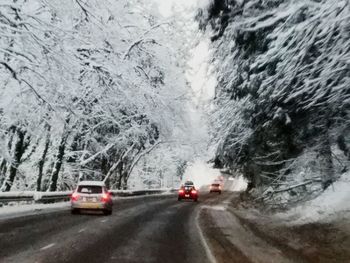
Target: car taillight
(193,192)
(75,196)
(181,191)
(105,197)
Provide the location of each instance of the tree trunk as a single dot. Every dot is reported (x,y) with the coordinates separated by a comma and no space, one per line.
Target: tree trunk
(118,182)
(252,172)
(58,163)
(74,147)
(342,146)
(3,168)
(18,153)
(4,164)
(125,175)
(326,161)
(47,180)
(104,167)
(42,159)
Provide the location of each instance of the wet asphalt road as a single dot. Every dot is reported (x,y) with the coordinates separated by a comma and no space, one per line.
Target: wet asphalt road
(144,229)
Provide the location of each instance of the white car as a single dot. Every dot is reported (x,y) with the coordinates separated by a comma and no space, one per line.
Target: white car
(91,195)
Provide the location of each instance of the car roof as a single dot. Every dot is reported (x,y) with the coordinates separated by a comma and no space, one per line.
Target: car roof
(188,183)
(94,183)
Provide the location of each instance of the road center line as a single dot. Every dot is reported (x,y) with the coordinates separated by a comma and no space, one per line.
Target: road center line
(104,220)
(48,246)
(81,230)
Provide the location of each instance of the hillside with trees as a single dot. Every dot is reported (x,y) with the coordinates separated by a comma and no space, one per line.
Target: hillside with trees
(282,101)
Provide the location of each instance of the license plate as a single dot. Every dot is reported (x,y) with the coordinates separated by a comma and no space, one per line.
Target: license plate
(89,199)
(187,195)
(90,205)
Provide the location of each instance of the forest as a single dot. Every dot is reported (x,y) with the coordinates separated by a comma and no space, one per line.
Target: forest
(88,88)
(282,102)
(100,90)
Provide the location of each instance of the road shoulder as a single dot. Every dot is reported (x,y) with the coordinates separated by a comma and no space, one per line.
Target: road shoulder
(233,241)
(237,233)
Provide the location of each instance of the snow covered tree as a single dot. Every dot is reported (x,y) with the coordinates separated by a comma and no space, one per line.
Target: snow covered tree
(283,91)
(87,88)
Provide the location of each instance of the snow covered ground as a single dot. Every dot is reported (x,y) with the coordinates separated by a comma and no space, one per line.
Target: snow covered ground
(15,210)
(332,204)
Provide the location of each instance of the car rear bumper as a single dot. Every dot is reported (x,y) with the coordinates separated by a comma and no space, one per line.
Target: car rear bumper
(188,197)
(91,206)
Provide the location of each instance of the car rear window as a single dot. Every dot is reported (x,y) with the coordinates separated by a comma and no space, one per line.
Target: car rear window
(89,189)
(216,185)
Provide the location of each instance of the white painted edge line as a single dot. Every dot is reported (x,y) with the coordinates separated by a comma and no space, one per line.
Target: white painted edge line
(81,230)
(104,220)
(48,246)
(203,240)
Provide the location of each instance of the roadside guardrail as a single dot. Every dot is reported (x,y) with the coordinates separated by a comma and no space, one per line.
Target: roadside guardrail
(53,197)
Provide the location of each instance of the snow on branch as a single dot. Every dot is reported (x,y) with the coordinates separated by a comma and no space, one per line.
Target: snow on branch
(93,157)
(116,164)
(137,43)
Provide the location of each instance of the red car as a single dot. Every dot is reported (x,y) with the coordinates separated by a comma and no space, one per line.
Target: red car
(188,191)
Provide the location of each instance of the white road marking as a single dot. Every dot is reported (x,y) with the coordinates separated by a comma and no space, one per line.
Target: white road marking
(48,246)
(104,220)
(204,241)
(215,207)
(81,230)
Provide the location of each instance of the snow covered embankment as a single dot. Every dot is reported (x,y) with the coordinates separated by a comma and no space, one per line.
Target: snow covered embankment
(333,204)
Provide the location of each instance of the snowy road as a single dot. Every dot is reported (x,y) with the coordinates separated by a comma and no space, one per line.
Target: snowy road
(161,229)
(150,229)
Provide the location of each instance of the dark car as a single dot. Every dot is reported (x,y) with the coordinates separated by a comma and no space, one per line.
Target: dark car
(188,191)
(215,188)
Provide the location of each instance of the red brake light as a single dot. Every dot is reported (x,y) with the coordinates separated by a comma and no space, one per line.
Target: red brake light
(193,192)
(105,197)
(181,191)
(75,196)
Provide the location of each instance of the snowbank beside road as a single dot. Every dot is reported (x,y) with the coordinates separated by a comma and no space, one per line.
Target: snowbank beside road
(10,211)
(332,204)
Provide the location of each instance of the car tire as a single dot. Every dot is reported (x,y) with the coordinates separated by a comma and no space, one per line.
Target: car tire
(178,199)
(74,211)
(220,193)
(107,212)
(196,200)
